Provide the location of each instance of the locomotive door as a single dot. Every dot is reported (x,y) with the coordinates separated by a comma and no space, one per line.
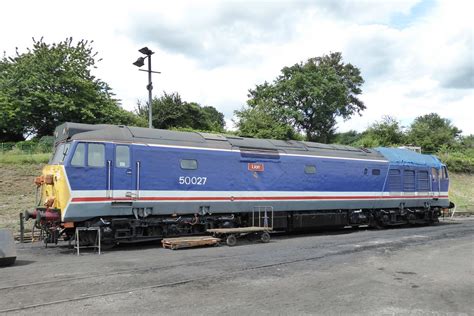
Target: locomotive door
(435,182)
(122,182)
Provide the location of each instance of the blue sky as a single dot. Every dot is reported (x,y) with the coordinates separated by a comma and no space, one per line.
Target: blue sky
(416,56)
(421,9)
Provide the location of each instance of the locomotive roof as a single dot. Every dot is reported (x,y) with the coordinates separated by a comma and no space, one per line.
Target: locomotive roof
(128,134)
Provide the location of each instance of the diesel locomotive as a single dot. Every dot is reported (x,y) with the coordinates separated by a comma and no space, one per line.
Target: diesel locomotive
(139,184)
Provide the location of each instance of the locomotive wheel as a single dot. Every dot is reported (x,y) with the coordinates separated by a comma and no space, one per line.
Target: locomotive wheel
(231,240)
(265,237)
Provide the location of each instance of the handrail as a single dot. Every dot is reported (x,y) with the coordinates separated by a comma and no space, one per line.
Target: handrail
(138,179)
(109,195)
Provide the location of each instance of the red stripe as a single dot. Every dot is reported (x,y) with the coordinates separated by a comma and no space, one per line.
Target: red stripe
(279,198)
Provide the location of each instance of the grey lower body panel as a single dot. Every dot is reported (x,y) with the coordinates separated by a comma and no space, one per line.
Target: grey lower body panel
(84,211)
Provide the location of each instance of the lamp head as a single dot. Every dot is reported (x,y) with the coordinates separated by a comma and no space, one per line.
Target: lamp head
(146,51)
(140,61)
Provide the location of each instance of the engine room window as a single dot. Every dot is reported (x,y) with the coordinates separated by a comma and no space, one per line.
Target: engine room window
(189,164)
(409,181)
(96,155)
(310,169)
(376,172)
(423,182)
(122,156)
(78,159)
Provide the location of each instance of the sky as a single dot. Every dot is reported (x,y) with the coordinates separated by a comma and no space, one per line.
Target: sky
(416,56)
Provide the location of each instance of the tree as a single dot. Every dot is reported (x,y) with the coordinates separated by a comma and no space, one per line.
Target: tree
(431,132)
(50,84)
(310,96)
(347,138)
(259,123)
(386,132)
(170,111)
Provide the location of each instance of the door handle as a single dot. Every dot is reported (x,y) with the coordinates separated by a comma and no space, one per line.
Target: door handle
(129,171)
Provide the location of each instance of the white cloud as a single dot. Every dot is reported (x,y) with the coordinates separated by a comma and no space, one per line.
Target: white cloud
(212,52)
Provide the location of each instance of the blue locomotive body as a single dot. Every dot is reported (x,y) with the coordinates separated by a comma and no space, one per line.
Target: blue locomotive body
(152,178)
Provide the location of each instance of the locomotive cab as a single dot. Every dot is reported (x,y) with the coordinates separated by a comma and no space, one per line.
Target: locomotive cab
(52,194)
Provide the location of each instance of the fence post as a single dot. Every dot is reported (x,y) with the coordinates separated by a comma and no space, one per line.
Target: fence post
(22,227)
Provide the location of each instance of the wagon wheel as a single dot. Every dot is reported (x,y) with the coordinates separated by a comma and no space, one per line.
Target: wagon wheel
(265,237)
(231,240)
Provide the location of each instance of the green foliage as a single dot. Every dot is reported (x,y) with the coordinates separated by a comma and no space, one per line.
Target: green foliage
(461,160)
(308,97)
(169,111)
(347,138)
(51,84)
(386,132)
(431,132)
(264,122)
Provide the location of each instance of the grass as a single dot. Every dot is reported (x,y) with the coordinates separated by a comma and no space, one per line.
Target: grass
(13,158)
(17,190)
(461,191)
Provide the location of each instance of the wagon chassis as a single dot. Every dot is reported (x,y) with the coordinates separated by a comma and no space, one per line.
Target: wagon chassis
(232,234)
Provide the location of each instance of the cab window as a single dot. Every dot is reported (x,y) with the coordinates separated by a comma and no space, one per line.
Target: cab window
(60,153)
(122,156)
(444,173)
(96,155)
(78,160)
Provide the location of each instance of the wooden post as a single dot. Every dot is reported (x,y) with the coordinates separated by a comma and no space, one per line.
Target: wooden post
(22,227)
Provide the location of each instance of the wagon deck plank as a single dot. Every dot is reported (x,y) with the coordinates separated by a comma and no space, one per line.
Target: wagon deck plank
(252,229)
(188,242)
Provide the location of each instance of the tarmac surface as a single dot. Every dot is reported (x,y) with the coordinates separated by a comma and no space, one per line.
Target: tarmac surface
(418,270)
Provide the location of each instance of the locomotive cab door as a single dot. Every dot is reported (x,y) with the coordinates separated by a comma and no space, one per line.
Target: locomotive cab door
(88,167)
(122,178)
(435,182)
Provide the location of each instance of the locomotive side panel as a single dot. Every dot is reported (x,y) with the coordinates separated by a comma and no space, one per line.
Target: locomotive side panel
(221,182)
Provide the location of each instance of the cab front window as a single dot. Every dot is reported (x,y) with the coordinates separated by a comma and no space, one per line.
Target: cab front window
(60,154)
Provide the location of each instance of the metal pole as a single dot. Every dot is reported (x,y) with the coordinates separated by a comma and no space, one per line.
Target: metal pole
(150,88)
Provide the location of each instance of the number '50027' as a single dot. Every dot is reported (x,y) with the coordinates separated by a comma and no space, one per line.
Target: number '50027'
(192,180)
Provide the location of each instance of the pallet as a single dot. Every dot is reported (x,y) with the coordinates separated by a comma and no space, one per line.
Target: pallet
(188,242)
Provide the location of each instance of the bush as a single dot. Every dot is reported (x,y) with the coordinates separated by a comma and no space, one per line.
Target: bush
(458,161)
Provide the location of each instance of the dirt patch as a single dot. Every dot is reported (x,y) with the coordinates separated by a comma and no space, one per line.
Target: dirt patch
(17,192)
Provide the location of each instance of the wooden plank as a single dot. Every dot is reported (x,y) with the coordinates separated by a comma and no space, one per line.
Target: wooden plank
(187,242)
(237,230)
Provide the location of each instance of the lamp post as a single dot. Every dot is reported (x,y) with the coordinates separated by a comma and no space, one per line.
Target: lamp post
(140,62)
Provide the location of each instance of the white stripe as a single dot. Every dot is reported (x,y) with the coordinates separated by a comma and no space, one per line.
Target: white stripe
(152,193)
(235,151)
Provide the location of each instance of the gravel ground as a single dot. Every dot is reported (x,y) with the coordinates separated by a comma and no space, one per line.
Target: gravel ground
(418,270)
